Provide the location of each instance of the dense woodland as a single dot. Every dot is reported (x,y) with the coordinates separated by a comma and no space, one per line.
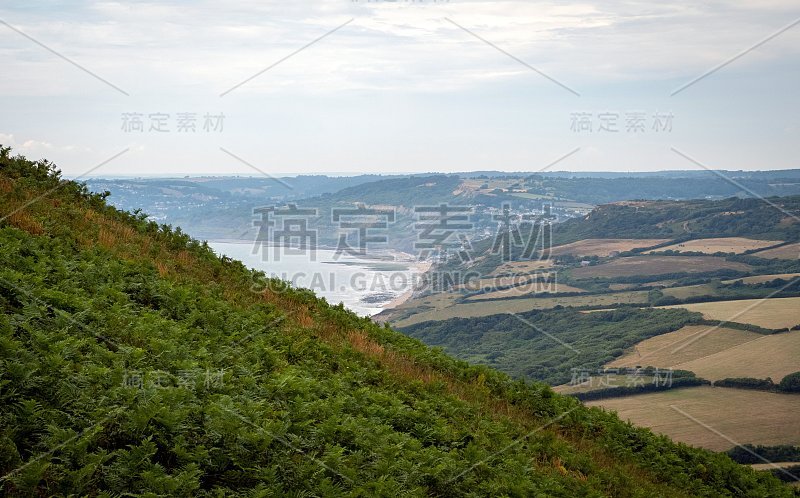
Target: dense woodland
(546,345)
(133,360)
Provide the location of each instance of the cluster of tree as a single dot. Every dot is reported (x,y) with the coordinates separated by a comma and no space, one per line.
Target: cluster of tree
(789,384)
(678,378)
(749,454)
(134,361)
(789,474)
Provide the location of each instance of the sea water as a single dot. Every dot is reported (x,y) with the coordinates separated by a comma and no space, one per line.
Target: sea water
(365,286)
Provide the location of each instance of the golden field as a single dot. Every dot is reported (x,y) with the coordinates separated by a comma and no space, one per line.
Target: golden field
(603,247)
(744,416)
(735,245)
(775,313)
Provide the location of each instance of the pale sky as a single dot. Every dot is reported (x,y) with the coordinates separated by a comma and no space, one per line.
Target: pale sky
(402,86)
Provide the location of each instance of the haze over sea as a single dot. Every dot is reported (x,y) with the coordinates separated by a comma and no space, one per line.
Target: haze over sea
(365,286)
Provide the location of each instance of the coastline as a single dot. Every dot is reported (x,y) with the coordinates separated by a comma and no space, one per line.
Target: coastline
(397,261)
(417,268)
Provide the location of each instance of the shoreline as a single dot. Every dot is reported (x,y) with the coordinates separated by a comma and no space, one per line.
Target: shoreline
(417,268)
(414,267)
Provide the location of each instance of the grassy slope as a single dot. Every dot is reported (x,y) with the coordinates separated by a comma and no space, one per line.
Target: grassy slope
(313,399)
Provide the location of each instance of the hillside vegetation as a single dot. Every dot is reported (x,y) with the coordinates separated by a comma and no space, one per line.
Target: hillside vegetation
(133,360)
(771,220)
(548,345)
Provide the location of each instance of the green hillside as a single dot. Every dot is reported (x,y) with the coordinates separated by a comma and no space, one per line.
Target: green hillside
(773,218)
(134,361)
(756,218)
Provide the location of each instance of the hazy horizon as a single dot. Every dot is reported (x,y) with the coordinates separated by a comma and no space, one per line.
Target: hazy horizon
(401,87)
(423,173)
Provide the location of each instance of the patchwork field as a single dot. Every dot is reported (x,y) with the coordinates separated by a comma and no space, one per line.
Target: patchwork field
(522,266)
(603,247)
(718,353)
(757,279)
(690,291)
(736,245)
(772,356)
(744,416)
(467,310)
(773,313)
(507,280)
(657,265)
(687,344)
(789,251)
(525,289)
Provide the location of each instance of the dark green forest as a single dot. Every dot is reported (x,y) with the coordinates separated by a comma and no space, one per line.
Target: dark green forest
(546,345)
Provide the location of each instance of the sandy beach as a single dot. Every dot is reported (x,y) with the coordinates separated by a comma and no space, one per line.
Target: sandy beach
(418,268)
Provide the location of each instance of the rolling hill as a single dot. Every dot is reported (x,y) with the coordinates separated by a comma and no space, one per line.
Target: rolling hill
(133,360)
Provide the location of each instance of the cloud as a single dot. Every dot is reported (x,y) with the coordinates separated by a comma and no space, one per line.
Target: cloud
(152,47)
(33,147)
(398,88)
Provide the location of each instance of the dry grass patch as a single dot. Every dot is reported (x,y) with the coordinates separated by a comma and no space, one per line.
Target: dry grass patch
(772,356)
(757,279)
(522,266)
(604,247)
(23,221)
(688,291)
(486,308)
(507,280)
(657,265)
(789,251)
(736,245)
(686,344)
(772,465)
(745,416)
(775,313)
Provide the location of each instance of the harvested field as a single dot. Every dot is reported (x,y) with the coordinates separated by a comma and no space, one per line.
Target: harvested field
(775,313)
(735,245)
(471,309)
(773,356)
(789,251)
(718,353)
(686,344)
(657,265)
(518,267)
(757,279)
(603,247)
(772,465)
(688,291)
(744,416)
